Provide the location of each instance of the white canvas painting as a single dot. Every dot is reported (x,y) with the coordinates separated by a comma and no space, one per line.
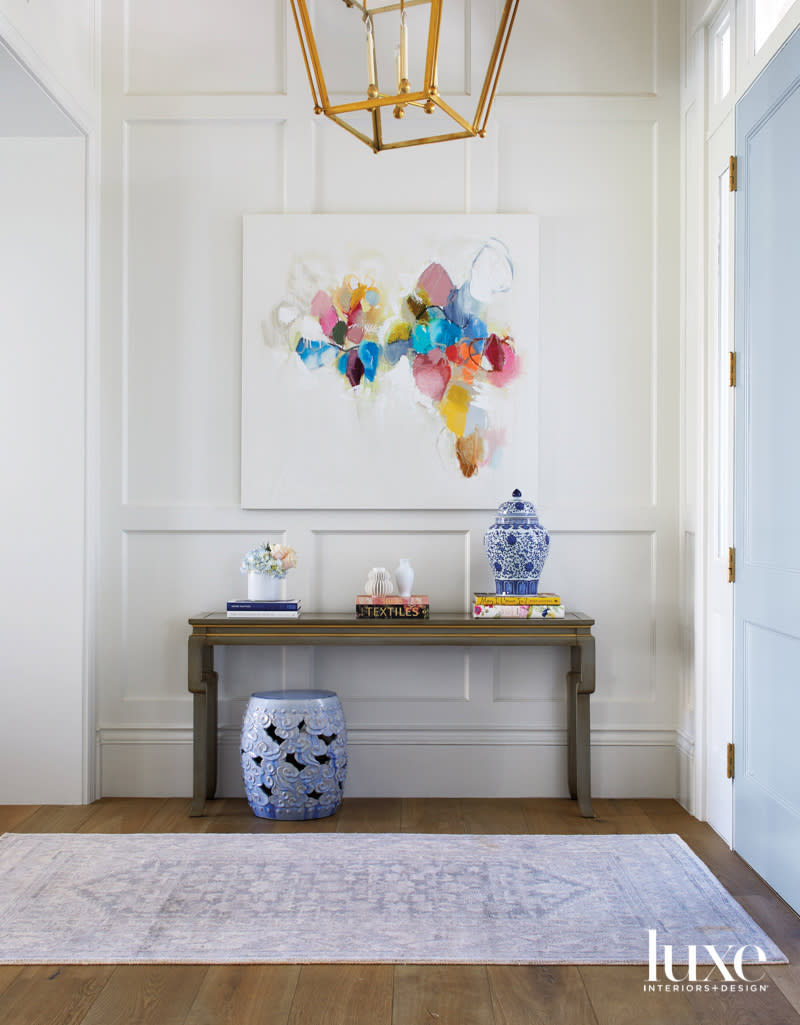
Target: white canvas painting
(389,361)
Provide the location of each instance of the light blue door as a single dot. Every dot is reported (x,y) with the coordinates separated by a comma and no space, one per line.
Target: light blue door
(767,475)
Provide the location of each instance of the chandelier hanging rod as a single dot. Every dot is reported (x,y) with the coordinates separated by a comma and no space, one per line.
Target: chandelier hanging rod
(385,8)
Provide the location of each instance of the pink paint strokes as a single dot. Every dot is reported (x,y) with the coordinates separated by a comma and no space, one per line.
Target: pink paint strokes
(434,285)
(441,330)
(432,374)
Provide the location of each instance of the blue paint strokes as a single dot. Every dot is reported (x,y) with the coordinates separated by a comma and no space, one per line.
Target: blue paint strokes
(315,354)
(477,329)
(461,306)
(394,351)
(443,332)
(421,338)
(369,354)
(476,417)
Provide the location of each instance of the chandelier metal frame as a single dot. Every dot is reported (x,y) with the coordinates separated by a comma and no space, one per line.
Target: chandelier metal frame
(427,97)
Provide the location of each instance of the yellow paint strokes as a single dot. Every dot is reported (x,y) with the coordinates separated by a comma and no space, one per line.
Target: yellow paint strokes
(454,409)
(400,330)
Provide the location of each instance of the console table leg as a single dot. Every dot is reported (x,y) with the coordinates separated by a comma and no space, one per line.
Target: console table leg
(581,685)
(573,680)
(203,685)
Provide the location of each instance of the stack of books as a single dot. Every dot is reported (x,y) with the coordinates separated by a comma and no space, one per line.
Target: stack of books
(279,608)
(392,606)
(486,605)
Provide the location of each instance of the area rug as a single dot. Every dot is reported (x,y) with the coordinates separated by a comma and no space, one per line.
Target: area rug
(338,897)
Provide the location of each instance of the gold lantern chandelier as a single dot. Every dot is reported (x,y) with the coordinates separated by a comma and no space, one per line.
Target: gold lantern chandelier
(393,87)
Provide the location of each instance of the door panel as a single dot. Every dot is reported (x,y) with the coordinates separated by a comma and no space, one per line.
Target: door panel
(767,475)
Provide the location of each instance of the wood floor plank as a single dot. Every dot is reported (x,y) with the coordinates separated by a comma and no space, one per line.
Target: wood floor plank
(13,815)
(234,815)
(539,995)
(55,818)
(244,994)
(432,815)
(782,925)
(617,996)
(370,815)
(52,995)
(555,816)
(621,816)
(744,1007)
(8,973)
(173,817)
(503,815)
(122,815)
(343,995)
(147,995)
(442,995)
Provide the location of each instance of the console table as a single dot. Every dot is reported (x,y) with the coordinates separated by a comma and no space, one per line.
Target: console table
(573,631)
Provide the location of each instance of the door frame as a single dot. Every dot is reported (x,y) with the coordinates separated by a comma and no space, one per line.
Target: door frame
(86,123)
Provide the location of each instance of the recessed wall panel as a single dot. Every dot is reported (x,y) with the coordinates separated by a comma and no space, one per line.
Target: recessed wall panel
(592,183)
(187,186)
(440,560)
(421,179)
(394,676)
(609,577)
(581,47)
(169,577)
(199,46)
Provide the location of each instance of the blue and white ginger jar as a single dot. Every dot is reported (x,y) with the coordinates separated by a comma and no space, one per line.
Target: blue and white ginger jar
(516,545)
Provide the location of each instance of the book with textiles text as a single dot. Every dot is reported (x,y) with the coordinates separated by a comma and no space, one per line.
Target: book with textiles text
(392,606)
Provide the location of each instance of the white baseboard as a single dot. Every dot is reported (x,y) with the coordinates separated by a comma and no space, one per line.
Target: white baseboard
(406,762)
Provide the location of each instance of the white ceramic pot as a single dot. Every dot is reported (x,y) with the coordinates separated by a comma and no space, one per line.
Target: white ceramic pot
(263,587)
(379,582)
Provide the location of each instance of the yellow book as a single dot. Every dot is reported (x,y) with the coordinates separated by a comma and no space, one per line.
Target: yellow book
(543,598)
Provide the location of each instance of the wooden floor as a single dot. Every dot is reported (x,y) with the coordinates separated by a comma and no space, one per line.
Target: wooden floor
(399,994)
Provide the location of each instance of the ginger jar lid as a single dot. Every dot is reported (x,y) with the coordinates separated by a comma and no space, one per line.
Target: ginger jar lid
(517,511)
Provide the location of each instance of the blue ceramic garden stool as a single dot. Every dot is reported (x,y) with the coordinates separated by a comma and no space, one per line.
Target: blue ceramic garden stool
(294,753)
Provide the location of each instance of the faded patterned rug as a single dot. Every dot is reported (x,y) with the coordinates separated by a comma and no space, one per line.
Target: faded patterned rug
(338,897)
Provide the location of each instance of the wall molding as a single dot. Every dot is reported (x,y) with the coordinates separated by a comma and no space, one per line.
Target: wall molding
(375,734)
(402,762)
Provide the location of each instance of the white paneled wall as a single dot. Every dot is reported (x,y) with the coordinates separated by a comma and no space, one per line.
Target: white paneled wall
(207,116)
(58,41)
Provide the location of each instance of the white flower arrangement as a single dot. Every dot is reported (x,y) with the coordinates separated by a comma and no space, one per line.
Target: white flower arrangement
(274,560)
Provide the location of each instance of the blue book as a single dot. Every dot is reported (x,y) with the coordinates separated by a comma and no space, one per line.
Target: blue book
(275,605)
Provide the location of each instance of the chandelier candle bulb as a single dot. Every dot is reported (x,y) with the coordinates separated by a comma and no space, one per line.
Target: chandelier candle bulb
(403,47)
(371,54)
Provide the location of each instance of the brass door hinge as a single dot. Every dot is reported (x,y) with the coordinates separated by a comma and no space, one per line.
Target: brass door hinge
(733,182)
(731,565)
(732,369)
(731,760)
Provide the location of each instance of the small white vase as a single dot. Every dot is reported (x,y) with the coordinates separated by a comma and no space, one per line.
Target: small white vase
(263,587)
(404,575)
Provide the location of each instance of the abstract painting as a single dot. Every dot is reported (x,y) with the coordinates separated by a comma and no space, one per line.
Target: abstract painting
(388,361)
